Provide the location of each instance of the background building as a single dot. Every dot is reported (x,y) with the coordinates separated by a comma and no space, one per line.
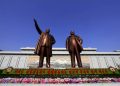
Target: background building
(60,59)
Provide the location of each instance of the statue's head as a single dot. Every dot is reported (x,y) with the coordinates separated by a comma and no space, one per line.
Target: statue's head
(72,33)
(47,31)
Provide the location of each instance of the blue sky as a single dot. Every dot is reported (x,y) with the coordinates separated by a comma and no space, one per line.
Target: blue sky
(96,21)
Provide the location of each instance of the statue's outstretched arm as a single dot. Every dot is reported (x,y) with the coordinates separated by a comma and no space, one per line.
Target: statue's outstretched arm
(37,27)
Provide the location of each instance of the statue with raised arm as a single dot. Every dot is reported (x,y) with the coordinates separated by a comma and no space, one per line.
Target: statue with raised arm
(44,46)
(74,46)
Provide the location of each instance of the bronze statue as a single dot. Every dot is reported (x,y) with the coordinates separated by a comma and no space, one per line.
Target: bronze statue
(74,46)
(44,45)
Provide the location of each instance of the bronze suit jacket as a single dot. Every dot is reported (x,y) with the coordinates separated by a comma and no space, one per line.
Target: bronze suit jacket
(49,44)
(69,44)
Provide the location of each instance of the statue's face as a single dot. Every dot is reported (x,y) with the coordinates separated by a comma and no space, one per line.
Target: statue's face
(72,33)
(47,31)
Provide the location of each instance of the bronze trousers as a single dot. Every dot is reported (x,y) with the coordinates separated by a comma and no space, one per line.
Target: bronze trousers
(76,54)
(44,50)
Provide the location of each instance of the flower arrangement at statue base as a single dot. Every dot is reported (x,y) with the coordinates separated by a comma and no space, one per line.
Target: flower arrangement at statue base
(59,80)
(76,75)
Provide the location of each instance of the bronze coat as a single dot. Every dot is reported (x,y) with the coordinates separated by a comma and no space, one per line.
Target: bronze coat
(78,46)
(49,44)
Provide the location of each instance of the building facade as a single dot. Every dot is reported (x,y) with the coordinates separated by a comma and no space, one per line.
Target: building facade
(60,59)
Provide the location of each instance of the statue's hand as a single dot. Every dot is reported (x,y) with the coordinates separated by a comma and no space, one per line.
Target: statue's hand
(35,52)
(67,48)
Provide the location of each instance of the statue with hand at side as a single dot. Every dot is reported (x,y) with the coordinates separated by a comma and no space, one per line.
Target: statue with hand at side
(44,46)
(74,46)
